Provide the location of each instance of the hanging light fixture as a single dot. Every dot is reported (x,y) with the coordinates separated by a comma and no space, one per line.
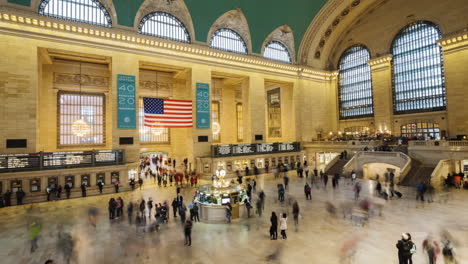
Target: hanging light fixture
(80,127)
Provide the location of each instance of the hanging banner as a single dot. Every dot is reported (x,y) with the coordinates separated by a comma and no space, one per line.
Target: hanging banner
(126,106)
(203,105)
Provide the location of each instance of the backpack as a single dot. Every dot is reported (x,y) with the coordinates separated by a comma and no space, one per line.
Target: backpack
(308,189)
(413,248)
(447,251)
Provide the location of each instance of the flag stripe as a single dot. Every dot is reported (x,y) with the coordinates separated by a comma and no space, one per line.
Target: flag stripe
(160,112)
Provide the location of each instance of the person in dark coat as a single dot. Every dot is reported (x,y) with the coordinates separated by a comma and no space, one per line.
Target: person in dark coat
(112,205)
(140,182)
(196,217)
(19,196)
(83,190)
(142,208)
(68,190)
(404,249)
(307,191)
(175,205)
(59,191)
(116,186)
(182,213)
(7,198)
(100,185)
(274,226)
(188,232)
(180,200)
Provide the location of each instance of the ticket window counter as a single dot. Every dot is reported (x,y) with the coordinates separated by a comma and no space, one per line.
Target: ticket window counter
(52,182)
(286,160)
(252,164)
(101,177)
(273,162)
(1,187)
(221,165)
(260,163)
(16,185)
(229,166)
(35,185)
(280,161)
(245,163)
(86,180)
(115,177)
(70,181)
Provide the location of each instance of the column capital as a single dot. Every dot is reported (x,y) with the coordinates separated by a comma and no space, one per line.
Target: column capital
(380,63)
(454,42)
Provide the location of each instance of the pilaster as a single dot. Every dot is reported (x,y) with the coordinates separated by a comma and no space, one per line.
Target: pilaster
(381,70)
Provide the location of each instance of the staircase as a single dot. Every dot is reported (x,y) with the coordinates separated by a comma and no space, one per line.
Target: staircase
(337,167)
(418,173)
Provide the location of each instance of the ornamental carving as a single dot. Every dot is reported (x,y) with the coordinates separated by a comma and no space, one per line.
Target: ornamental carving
(84,80)
(160,88)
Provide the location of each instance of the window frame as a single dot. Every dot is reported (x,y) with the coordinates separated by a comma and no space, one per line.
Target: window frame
(419,99)
(107,16)
(141,125)
(369,81)
(290,61)
(104,112)
(240,38)
(148,17)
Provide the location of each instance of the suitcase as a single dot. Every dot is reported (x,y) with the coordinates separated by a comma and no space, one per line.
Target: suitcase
(398,194)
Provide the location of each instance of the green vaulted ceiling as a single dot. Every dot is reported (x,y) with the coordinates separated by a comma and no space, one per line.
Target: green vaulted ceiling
(263,16)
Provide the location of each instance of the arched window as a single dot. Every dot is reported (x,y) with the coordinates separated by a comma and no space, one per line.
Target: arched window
(355,84)
(164,25)
(418,70)
(84,11)
(276,50)
(228,40)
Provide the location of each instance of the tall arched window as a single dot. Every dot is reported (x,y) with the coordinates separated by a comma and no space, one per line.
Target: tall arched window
(418,70)
(84,11)
(355,84)
(276,50)
(164,25)
(228,40)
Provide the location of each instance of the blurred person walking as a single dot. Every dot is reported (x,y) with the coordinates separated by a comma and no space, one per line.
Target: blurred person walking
(188,232)
(295,211)
(274,226)
(283,226)
(35,230)
(432,249)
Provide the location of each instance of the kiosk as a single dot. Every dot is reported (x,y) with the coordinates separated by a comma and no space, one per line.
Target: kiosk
(213,200)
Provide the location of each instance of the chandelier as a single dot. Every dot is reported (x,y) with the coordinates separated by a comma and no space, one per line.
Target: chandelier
(157,131)
(80,127)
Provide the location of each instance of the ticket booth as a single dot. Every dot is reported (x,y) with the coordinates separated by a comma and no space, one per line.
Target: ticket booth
(100,177)
(70,181)
(16,185)
(35,185)
(115,177)
(86,180)
(52,182)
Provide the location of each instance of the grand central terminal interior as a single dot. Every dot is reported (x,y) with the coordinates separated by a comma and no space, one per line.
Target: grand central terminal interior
(196,131)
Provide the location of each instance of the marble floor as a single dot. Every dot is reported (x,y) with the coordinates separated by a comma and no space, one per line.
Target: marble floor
(319,237)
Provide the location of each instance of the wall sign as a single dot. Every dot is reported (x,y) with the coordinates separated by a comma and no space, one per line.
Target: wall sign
(253,149)
(126,102)
(203,105)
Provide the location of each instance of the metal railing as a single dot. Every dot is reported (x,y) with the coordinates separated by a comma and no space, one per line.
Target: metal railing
(351,165)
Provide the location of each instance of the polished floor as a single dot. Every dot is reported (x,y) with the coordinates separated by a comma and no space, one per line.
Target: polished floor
(319,237)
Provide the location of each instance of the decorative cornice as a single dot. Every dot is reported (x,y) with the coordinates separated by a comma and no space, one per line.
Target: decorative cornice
(454,42)
(380,63)
(96,35)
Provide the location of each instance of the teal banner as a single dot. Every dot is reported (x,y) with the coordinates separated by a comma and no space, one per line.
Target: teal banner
(203,105)
(126,106)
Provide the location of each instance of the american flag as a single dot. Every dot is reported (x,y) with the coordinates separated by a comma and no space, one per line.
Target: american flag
(167,112)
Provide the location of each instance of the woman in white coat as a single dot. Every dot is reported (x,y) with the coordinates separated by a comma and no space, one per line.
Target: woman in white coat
(283,226)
